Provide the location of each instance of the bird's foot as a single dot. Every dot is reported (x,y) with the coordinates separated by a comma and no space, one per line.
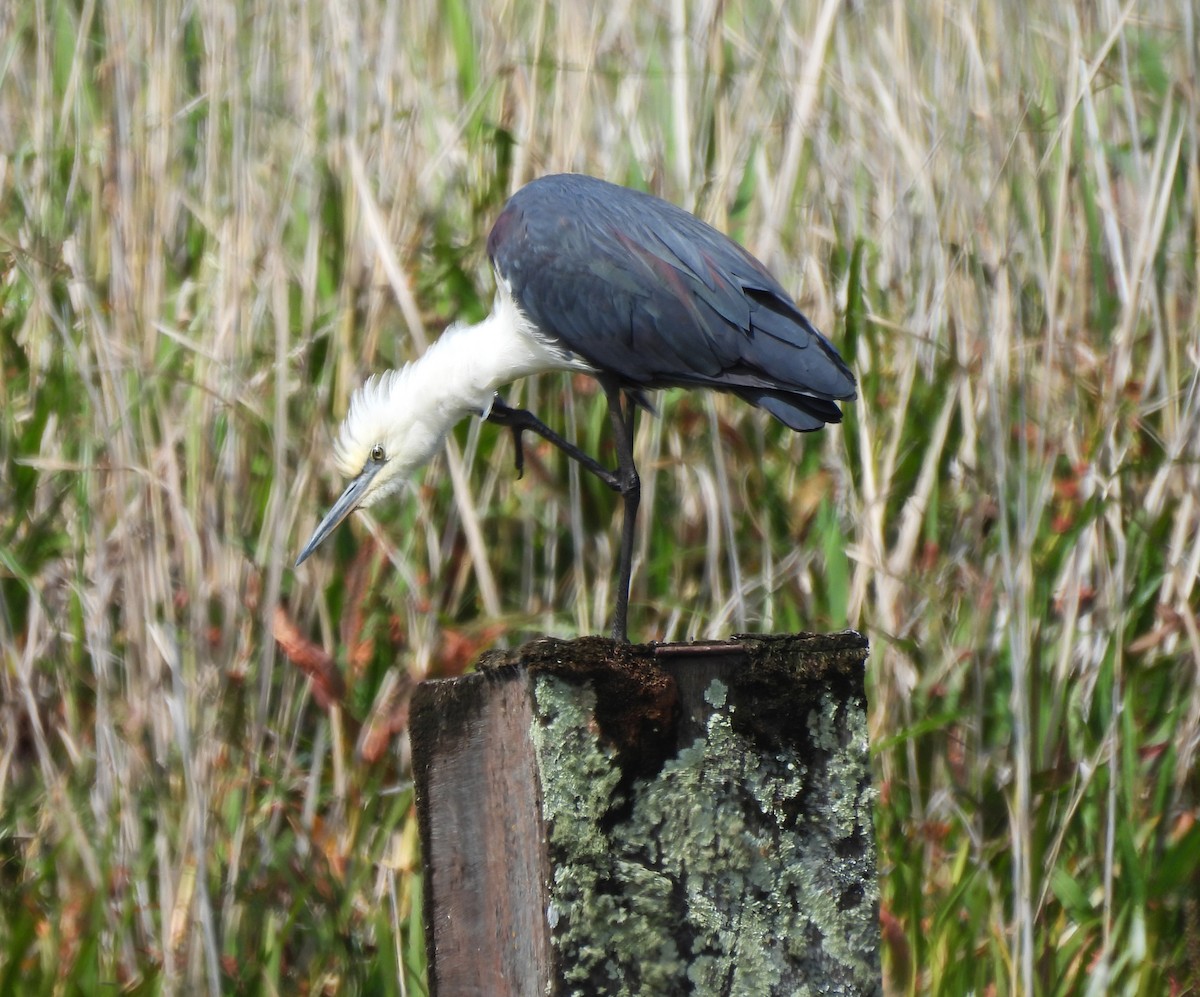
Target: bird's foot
(503,414)
(518,421)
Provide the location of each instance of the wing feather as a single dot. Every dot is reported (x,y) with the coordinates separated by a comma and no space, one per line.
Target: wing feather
(655,297)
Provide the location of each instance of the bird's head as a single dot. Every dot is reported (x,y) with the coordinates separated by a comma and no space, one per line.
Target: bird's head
(385,437)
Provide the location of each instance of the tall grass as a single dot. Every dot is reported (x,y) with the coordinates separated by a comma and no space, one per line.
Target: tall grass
(216,218)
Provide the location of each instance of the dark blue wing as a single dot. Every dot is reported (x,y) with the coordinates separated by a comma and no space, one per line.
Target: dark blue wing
(648,293)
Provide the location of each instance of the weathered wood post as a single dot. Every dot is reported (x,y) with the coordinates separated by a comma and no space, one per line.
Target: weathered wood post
(599,818)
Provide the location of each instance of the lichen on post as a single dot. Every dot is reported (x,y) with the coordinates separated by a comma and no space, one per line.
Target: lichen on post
(703,818)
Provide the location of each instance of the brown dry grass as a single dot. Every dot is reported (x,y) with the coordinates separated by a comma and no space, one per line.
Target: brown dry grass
(214,219)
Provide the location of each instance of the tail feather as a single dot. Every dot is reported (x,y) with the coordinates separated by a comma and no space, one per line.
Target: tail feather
(788,348)
(802,413)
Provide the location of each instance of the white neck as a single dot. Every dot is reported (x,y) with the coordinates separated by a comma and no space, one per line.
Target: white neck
(410,411)
(467,364)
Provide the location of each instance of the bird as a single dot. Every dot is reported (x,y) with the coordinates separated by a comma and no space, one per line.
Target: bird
(608,281)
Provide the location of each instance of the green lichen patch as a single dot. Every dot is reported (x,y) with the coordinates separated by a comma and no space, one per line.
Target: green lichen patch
(611,915)
(636,700)
(732,870)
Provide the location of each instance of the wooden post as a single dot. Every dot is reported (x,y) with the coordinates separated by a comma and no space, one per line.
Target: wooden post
(599,818)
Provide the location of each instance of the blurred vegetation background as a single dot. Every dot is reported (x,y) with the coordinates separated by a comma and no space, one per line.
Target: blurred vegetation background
(216,218)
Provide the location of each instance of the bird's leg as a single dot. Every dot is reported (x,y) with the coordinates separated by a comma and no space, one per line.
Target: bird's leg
(518,420)
(624,479)
(630,486)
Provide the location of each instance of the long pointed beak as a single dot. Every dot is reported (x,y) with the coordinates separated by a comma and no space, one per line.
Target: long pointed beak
(349,500)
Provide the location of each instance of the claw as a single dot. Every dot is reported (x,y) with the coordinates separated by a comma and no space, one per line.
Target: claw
(504,415)
(518,451)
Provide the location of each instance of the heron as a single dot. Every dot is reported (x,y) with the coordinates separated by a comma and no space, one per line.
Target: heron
(608,281)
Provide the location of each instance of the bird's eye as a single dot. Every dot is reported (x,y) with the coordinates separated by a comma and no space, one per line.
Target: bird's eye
(377,453)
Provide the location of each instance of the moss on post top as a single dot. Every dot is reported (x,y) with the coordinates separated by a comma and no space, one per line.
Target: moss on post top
(638,685)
